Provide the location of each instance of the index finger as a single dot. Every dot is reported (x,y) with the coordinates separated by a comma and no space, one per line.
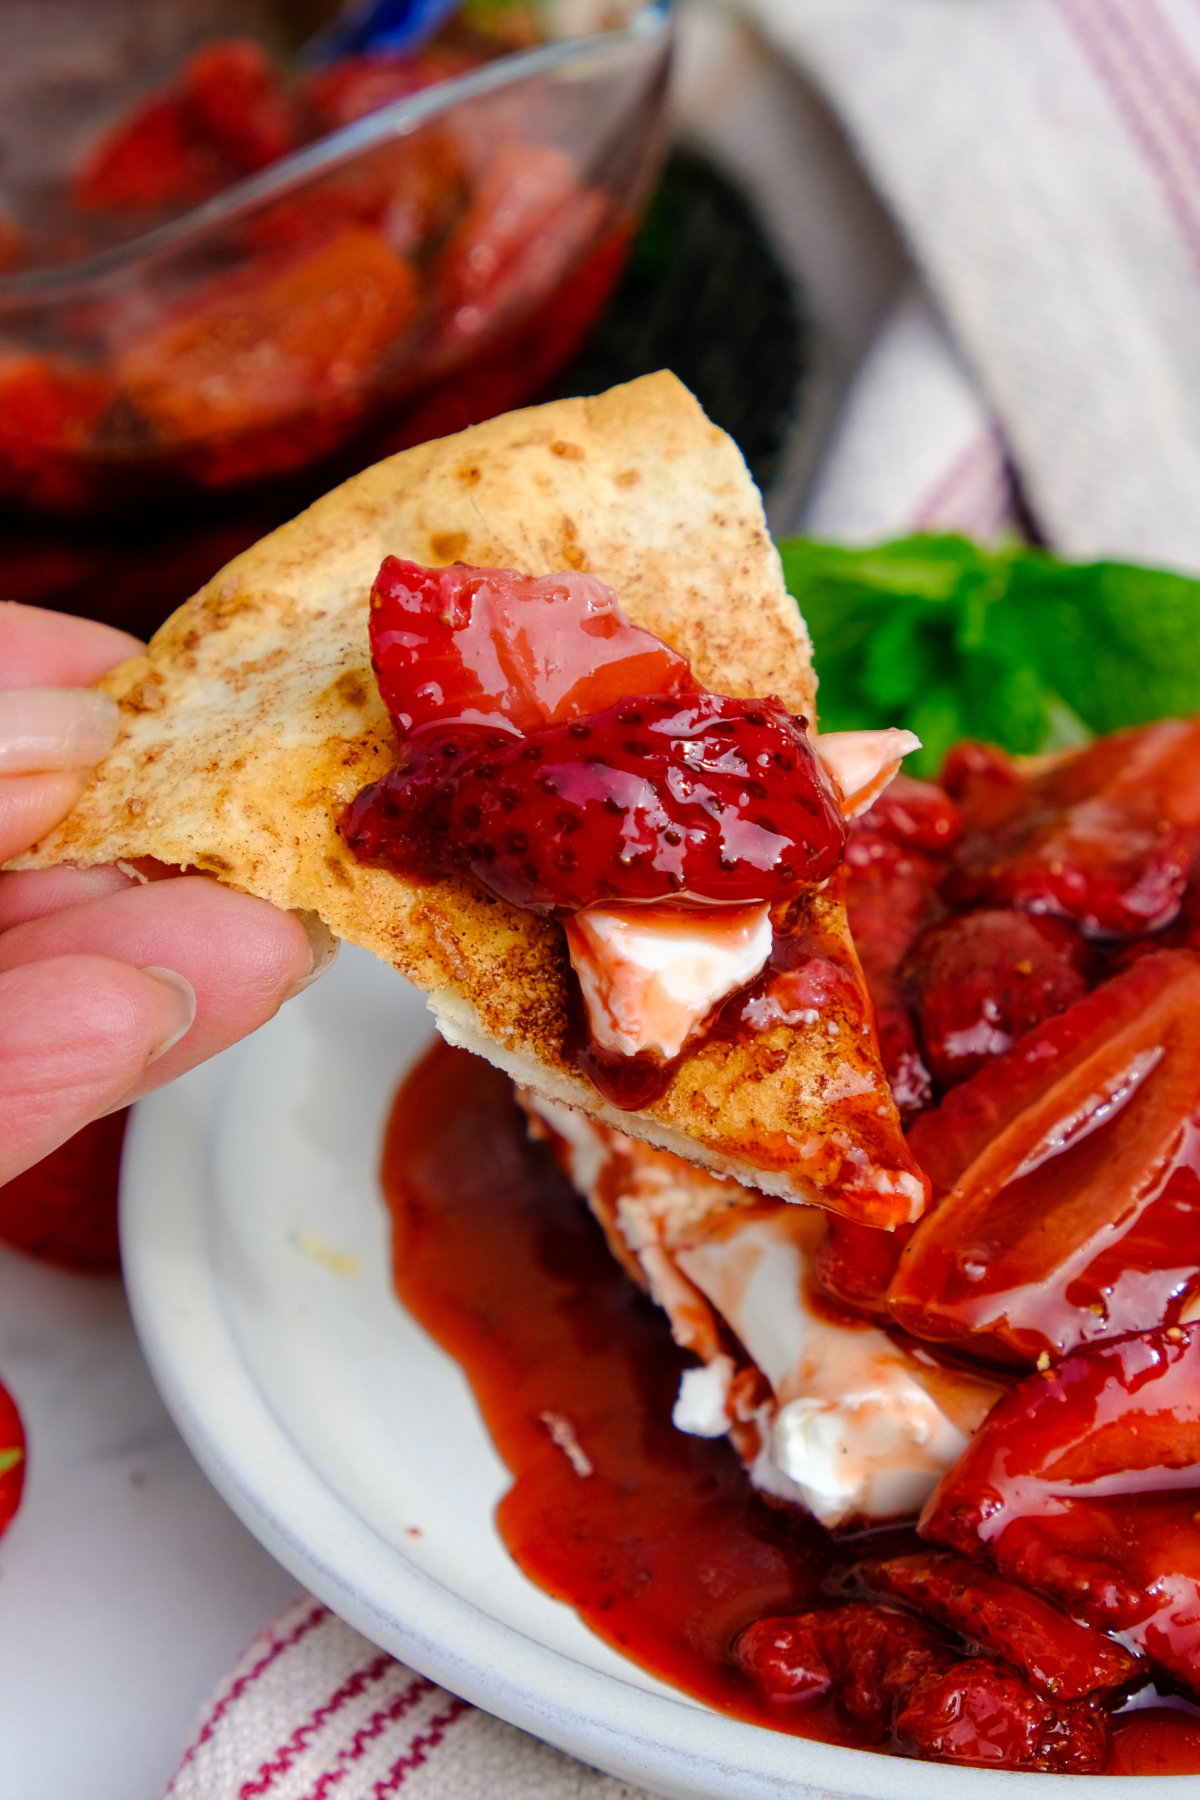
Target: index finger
(49,649)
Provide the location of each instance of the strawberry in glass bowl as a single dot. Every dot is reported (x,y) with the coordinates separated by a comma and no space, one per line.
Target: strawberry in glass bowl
(228,266)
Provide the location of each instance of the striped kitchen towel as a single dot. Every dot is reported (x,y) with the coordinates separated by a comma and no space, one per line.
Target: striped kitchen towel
(314,1712)
(916,447)
(1042,158)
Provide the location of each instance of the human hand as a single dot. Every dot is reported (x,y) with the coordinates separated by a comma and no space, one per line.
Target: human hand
(111,982)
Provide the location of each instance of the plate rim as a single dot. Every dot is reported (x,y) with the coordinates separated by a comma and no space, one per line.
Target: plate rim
(675,1748)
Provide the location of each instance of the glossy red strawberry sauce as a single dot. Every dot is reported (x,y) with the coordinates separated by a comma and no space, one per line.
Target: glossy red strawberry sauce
(659,1541)
(562,756)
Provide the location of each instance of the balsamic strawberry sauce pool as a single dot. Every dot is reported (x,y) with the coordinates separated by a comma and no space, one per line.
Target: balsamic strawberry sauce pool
(656,1539)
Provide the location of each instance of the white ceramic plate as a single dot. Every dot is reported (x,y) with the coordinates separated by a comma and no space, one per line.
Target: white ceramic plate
(256,1253)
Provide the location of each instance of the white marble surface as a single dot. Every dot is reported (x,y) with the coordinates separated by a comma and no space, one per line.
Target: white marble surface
(127,1587)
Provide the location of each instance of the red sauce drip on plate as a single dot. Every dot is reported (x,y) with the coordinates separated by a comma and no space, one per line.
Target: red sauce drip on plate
(664,1549)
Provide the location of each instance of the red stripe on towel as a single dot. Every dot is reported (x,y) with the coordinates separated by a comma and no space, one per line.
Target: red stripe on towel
(308,1623)
(374,1728)
(281,1759)
(415,1755)
(974,494)
(1112,44)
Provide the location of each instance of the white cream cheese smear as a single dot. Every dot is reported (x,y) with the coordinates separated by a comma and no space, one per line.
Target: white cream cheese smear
(854,1431)
(845,1421)
(651,974)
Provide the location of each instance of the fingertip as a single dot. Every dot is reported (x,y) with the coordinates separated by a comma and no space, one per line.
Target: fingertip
(43,729)
(76,1034)
(182,999)
(241,957)
(27,894)
(323,948)
(38,646)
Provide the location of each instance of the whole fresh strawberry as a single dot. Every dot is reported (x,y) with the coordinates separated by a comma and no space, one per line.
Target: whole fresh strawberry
(64,1209)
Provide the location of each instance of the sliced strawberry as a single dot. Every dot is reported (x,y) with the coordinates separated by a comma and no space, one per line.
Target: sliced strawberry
(870,1657)
(1069,1174)
(1126,1564)
(50,409)
(48,402)
(1156,1740)
(903,1064)
(700,797)
(227,114)
(151,158)
(527,222)
(978,1715)
(408,190)
(1129,1564)
(1058,1656)
(1084,1481)
(1125,1416)
(890,1673)
(1105,839)
(236,101)
(354,86)
(263,347)
(855,1263)
(522,189)
(891,895)
(787,1658)
(917,815)
(12,1458)
(64,1209)
(490,647)
(985,785)
(981,980)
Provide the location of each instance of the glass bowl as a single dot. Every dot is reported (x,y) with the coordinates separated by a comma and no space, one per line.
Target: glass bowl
(425,267)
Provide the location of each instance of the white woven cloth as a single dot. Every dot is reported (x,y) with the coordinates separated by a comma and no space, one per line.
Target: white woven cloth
(916,448)
(314,1712)
(1042,159)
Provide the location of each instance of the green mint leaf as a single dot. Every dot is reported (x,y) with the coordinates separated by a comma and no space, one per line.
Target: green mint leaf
(1010,645)
(1121,644)
(939,721)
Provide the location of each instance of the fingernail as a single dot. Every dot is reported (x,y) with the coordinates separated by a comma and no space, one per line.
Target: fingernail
(324,947)
(43,730)
(183,996)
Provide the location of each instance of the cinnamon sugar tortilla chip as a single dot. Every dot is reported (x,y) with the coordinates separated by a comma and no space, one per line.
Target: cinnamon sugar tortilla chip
(254,717)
